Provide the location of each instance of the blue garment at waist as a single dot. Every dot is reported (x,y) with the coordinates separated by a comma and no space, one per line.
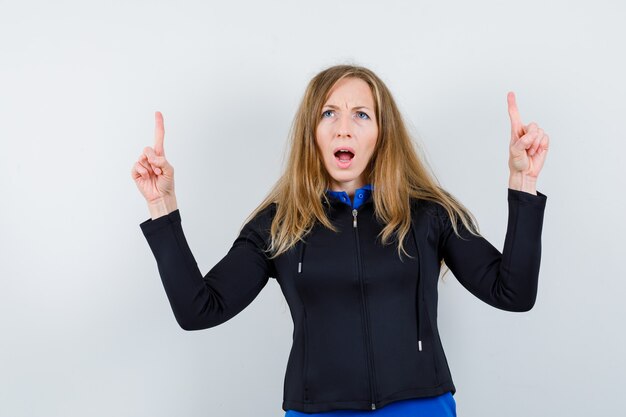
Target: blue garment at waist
(442,405)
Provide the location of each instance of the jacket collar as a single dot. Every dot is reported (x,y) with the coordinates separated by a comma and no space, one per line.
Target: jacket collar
(361,195)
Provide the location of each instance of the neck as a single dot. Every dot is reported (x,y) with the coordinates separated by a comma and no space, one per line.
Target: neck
(349,187)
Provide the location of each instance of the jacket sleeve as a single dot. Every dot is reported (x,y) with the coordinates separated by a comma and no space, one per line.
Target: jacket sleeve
(201,302)
(506,280)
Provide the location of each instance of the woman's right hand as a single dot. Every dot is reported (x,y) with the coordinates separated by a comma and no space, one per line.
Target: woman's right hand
(152,173)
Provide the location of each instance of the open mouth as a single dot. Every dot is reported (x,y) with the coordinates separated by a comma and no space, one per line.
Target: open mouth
(344,155)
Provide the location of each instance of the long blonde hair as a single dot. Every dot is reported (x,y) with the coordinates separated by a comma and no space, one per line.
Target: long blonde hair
(395,170)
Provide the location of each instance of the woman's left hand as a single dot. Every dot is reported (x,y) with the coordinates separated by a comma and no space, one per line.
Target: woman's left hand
(528,147)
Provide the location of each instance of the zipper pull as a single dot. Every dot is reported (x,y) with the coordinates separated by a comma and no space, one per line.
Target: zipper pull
(354,213)
(373,406)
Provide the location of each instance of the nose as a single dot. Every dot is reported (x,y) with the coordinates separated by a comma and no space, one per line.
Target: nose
(344,126)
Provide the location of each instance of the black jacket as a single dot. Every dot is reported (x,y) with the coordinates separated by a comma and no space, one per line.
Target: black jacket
(365,322)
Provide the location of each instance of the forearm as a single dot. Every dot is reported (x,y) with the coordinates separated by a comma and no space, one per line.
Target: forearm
(516,286)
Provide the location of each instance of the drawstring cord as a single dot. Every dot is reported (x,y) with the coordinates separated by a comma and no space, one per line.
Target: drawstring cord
(301,257)
(419,284)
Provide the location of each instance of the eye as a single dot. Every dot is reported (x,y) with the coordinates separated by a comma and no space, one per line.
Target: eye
(362,115)
(326,112)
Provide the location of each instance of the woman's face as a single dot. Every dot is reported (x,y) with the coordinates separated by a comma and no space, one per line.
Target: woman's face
(348,121)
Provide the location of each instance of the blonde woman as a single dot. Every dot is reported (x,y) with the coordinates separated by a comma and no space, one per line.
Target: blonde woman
(356,232)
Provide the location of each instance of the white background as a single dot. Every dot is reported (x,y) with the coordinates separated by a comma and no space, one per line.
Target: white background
(85,325)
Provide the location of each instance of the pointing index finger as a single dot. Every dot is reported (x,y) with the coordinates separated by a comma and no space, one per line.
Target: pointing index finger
(516,121)
(159,133)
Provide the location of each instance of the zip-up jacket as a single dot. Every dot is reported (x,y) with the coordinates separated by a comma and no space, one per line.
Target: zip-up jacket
(365,321)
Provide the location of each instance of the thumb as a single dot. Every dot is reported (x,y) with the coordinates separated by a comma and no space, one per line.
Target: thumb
(158,162)
(520,145)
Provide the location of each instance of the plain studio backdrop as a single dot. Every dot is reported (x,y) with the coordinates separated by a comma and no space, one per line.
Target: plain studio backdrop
(86,328)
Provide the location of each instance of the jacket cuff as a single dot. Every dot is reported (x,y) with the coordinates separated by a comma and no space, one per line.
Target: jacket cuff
(151,226)
(528,198)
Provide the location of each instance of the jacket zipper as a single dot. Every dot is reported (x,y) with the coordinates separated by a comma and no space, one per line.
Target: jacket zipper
(370,368)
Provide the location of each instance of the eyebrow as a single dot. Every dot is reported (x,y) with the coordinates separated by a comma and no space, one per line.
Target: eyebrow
(332,106)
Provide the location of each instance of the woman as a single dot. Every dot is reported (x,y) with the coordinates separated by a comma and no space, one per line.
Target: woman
(355,231)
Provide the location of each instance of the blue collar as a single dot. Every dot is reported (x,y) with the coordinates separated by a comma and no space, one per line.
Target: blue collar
(360,195)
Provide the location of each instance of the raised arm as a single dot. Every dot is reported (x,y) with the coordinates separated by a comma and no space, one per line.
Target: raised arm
(506,280)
